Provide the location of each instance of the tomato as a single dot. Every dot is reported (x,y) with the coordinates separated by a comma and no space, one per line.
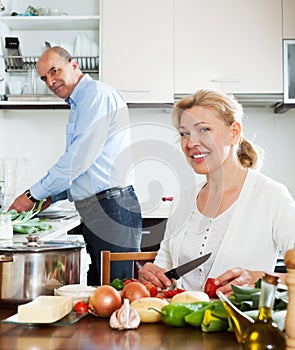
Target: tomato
(129,280)
(152,289)
(81,307)
(210,288)
(171,292)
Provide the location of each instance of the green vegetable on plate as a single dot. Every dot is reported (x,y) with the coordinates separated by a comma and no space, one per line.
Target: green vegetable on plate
(26,222)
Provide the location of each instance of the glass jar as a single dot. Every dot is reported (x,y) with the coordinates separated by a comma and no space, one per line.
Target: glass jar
(6,228)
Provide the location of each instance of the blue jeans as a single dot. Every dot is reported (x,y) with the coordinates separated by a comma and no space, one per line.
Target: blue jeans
(111,221)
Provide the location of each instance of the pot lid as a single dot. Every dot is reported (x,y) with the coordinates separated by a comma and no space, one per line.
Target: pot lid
(34,244)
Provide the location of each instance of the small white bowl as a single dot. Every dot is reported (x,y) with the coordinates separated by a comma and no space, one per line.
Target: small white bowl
(78,292)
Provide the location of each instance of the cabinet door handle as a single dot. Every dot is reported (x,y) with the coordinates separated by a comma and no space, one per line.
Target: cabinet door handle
(146,232)
(1,78)
(225,81)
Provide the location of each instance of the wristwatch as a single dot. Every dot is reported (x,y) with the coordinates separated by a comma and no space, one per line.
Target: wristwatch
(30,197)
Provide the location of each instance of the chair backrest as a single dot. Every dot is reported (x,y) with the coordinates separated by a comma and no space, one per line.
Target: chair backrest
(107,257)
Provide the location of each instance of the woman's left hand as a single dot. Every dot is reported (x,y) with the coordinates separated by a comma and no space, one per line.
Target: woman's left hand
(237,276)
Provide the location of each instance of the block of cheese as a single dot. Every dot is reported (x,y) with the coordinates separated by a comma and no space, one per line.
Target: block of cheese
(45,309)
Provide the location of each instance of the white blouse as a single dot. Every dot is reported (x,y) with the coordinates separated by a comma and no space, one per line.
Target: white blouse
(203,235)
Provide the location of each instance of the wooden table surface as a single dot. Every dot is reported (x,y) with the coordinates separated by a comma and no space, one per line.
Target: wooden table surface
(94,333)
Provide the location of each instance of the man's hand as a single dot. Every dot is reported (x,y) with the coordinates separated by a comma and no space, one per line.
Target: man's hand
(23,203)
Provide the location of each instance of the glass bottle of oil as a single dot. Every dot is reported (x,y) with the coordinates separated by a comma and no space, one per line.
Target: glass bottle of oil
(241,322)
(264,333)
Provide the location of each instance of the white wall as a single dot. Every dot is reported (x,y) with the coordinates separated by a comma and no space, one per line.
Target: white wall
(159,164)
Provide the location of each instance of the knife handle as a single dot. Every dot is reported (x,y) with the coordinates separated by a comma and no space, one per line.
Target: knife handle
(172,274)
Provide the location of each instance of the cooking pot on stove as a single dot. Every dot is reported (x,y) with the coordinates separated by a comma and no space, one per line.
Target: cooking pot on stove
(35,268)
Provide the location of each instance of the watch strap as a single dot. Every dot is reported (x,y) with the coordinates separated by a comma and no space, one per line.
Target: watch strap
(30,197)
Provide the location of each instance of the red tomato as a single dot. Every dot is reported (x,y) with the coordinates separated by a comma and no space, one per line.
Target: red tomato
(210,288)
(152,289)
(81,307)
(171,292)
(129,280)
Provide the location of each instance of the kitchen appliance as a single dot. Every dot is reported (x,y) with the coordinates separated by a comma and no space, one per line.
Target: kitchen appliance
(289,71)
(36,268)
(181,270)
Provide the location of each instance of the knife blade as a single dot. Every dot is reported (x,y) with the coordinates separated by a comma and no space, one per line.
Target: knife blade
(181,270)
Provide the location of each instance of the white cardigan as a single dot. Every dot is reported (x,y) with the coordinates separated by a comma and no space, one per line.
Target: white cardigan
(262,225)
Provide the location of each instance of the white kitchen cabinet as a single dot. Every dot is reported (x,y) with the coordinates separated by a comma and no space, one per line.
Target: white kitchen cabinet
(231,45)
(137,49)
(288,19)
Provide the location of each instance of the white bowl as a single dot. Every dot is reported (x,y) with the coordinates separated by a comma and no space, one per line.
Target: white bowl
(78,292)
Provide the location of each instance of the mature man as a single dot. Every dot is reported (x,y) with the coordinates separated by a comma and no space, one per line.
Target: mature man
(94,171)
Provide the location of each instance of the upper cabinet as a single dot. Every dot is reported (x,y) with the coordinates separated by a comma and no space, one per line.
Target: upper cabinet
(231,45)
(288,19)
(137,49)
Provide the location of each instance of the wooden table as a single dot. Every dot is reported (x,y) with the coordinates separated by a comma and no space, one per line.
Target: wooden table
(94,333)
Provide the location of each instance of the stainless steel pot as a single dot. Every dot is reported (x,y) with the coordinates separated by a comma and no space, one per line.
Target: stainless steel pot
(36,268)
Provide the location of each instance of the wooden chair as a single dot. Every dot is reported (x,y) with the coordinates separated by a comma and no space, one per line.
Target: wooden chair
(107,257)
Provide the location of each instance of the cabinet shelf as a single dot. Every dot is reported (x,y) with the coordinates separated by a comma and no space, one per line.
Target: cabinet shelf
(88,64)
(51,22)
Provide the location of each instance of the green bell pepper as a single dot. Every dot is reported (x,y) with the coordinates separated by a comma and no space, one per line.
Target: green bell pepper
(117,284)
(174,314)
(211,323)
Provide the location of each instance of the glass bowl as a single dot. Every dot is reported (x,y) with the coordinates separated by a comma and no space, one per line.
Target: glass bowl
(78,292)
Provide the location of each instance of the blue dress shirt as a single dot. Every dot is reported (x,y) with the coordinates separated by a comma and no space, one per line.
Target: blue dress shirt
(98,152)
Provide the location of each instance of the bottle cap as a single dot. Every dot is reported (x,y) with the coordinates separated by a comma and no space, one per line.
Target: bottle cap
(271,279)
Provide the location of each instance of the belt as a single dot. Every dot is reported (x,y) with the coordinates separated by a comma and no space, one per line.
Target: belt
(113,191)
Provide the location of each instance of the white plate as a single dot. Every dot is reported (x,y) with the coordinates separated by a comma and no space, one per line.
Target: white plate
(70,318)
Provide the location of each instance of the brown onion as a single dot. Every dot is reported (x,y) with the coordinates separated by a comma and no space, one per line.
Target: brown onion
(135,290)
(105,301)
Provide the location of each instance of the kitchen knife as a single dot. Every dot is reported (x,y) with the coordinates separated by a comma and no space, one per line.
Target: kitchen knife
(181,270)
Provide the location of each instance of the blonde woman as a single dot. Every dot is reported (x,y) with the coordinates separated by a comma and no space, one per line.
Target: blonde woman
(240,215)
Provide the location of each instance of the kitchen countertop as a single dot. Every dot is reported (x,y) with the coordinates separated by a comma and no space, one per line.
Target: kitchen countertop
(59,230)
(95,333)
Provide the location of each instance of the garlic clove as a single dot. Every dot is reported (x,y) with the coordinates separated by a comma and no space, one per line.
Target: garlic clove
(126,317)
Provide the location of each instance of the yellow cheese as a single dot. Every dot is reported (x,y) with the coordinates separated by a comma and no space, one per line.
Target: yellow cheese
(45,309)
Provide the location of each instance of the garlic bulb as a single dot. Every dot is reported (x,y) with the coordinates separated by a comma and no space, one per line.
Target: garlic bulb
(126,317)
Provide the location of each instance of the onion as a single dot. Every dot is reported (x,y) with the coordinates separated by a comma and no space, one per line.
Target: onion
(105,300)
(135,290)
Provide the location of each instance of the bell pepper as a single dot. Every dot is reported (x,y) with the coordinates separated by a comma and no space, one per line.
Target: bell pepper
(195,318)
(212,323)
(217,310)
(174,314)
(117,284)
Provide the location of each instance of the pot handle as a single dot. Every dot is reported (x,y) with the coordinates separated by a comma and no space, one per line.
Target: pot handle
(6,258)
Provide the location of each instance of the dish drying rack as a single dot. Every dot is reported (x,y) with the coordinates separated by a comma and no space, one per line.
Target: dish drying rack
(88,64)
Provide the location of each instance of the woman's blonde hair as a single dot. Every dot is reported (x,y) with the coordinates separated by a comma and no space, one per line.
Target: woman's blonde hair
(229,110)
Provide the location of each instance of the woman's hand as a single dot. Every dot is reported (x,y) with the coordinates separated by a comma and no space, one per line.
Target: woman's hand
(153,274)
(238,277)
